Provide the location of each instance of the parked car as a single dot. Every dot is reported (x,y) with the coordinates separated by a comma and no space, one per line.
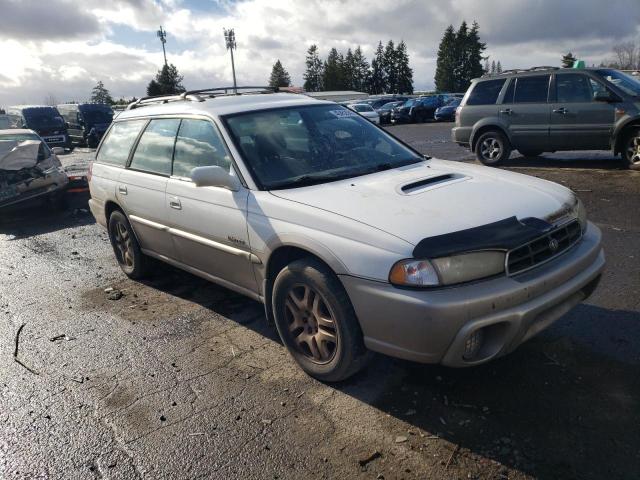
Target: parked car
(366,111)
(550,109)
(385,111)
(29,168)
(351,239)
(378,102)
(86,122)
(44,120)
(416,110)
(447,113)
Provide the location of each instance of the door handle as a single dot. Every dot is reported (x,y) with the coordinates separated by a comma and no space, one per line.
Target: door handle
(175,203)
(506,111)
(561,111)
(122,189)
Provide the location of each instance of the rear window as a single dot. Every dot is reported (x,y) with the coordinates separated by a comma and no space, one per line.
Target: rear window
(485,93)
(533,89)
(155,148)
(116,147)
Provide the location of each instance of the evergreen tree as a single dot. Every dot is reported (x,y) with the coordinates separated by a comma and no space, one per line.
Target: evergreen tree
(167,82)
(487,66)
(498,67)
(332,78)
(348,70)
(314,73)
(279,76)
(378,79)
(567,60)
(360,71)
(445,64)
(390,67)
(473,56)
(100,94)
(493,67)
(403,70)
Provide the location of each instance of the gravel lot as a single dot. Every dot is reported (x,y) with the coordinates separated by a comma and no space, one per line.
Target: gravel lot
(180,378)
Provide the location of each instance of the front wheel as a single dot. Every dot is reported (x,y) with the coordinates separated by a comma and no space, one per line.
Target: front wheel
(316,321)
(132,261)
(631,151)
(492,148)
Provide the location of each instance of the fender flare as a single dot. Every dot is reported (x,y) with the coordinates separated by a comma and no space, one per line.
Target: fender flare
(494,122)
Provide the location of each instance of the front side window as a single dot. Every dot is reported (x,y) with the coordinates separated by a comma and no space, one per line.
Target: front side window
(573,88)
(485,93)
(626,83)
(198,145)
(532,89)
(300,146)
(117,145)
(155,148)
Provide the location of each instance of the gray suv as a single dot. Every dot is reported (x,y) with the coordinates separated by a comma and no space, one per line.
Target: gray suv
(545,109)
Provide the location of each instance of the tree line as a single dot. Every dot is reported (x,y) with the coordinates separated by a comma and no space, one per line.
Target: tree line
(388,72)
(460,58)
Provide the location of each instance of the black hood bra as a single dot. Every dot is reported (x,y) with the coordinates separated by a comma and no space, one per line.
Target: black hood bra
(505,234)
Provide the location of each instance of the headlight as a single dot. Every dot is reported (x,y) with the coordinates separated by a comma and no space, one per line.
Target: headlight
(581,214)
(447,270)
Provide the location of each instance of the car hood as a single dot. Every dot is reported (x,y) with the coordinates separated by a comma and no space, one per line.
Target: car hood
(18,154)
(436,197)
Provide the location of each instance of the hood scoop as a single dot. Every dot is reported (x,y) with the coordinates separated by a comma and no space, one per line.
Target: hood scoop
(419,186)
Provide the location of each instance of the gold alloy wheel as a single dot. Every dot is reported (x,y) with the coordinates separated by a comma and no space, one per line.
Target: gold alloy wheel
(123,244)
(311,324)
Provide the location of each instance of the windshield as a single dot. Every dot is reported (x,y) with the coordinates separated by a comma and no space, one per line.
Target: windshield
(43,118)
(626,83)
(410,103)
(298,146)
(362,108)
(93,117)
(390,105)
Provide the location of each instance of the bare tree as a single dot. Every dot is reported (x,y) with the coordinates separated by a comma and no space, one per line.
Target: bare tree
(627,56)
(50,99)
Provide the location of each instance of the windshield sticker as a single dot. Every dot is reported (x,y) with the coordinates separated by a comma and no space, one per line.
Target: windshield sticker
(343,113)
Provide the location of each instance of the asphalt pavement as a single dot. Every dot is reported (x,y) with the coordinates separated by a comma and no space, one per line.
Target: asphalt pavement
(175,377)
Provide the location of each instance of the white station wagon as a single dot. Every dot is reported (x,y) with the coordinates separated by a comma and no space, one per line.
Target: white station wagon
(353,241)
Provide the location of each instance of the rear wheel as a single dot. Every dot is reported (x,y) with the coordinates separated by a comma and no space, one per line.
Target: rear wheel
(492,148)
(631,151)
(316,321)
(132,261)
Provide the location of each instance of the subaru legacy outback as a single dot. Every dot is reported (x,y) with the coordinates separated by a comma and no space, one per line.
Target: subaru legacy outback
(546,109)
(353,241)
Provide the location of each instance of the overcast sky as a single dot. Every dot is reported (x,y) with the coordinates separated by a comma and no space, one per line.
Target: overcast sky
(63,48)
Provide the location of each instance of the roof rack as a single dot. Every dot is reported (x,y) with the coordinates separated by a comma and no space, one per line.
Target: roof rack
(196,95)
(521,70)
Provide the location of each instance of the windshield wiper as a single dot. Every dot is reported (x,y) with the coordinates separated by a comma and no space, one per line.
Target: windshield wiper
(307,180)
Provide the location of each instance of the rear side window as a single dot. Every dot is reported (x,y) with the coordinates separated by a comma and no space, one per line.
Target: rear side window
(116,147)
(485,93)
(155,148)
(198,145)
(533,89)
(573,88)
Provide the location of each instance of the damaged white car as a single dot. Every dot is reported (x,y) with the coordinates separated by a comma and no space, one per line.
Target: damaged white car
(29,168)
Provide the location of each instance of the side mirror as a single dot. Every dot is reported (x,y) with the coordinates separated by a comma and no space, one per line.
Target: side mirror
(57,150)
(214,177)
(607,97)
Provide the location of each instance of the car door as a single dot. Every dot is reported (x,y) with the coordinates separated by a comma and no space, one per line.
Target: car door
(208,224)
(141,186)
(526,111)
(579,122)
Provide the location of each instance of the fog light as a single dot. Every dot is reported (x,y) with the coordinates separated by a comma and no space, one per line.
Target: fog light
(473,344)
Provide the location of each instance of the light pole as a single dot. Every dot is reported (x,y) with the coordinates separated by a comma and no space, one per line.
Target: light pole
(162,35)
(230,41)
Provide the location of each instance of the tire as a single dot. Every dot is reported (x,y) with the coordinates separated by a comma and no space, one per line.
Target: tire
(132,261)
(631,150)
(330,350)
(492,148)
(530,153)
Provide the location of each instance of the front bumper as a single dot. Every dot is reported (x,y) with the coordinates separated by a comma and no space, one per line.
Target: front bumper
(432,326)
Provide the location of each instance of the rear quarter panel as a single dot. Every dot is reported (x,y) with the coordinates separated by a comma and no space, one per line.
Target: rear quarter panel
(102,188)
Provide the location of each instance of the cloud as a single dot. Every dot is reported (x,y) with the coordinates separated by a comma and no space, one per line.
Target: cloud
(115,41)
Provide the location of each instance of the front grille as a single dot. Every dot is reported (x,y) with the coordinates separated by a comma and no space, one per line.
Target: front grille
(544,248)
